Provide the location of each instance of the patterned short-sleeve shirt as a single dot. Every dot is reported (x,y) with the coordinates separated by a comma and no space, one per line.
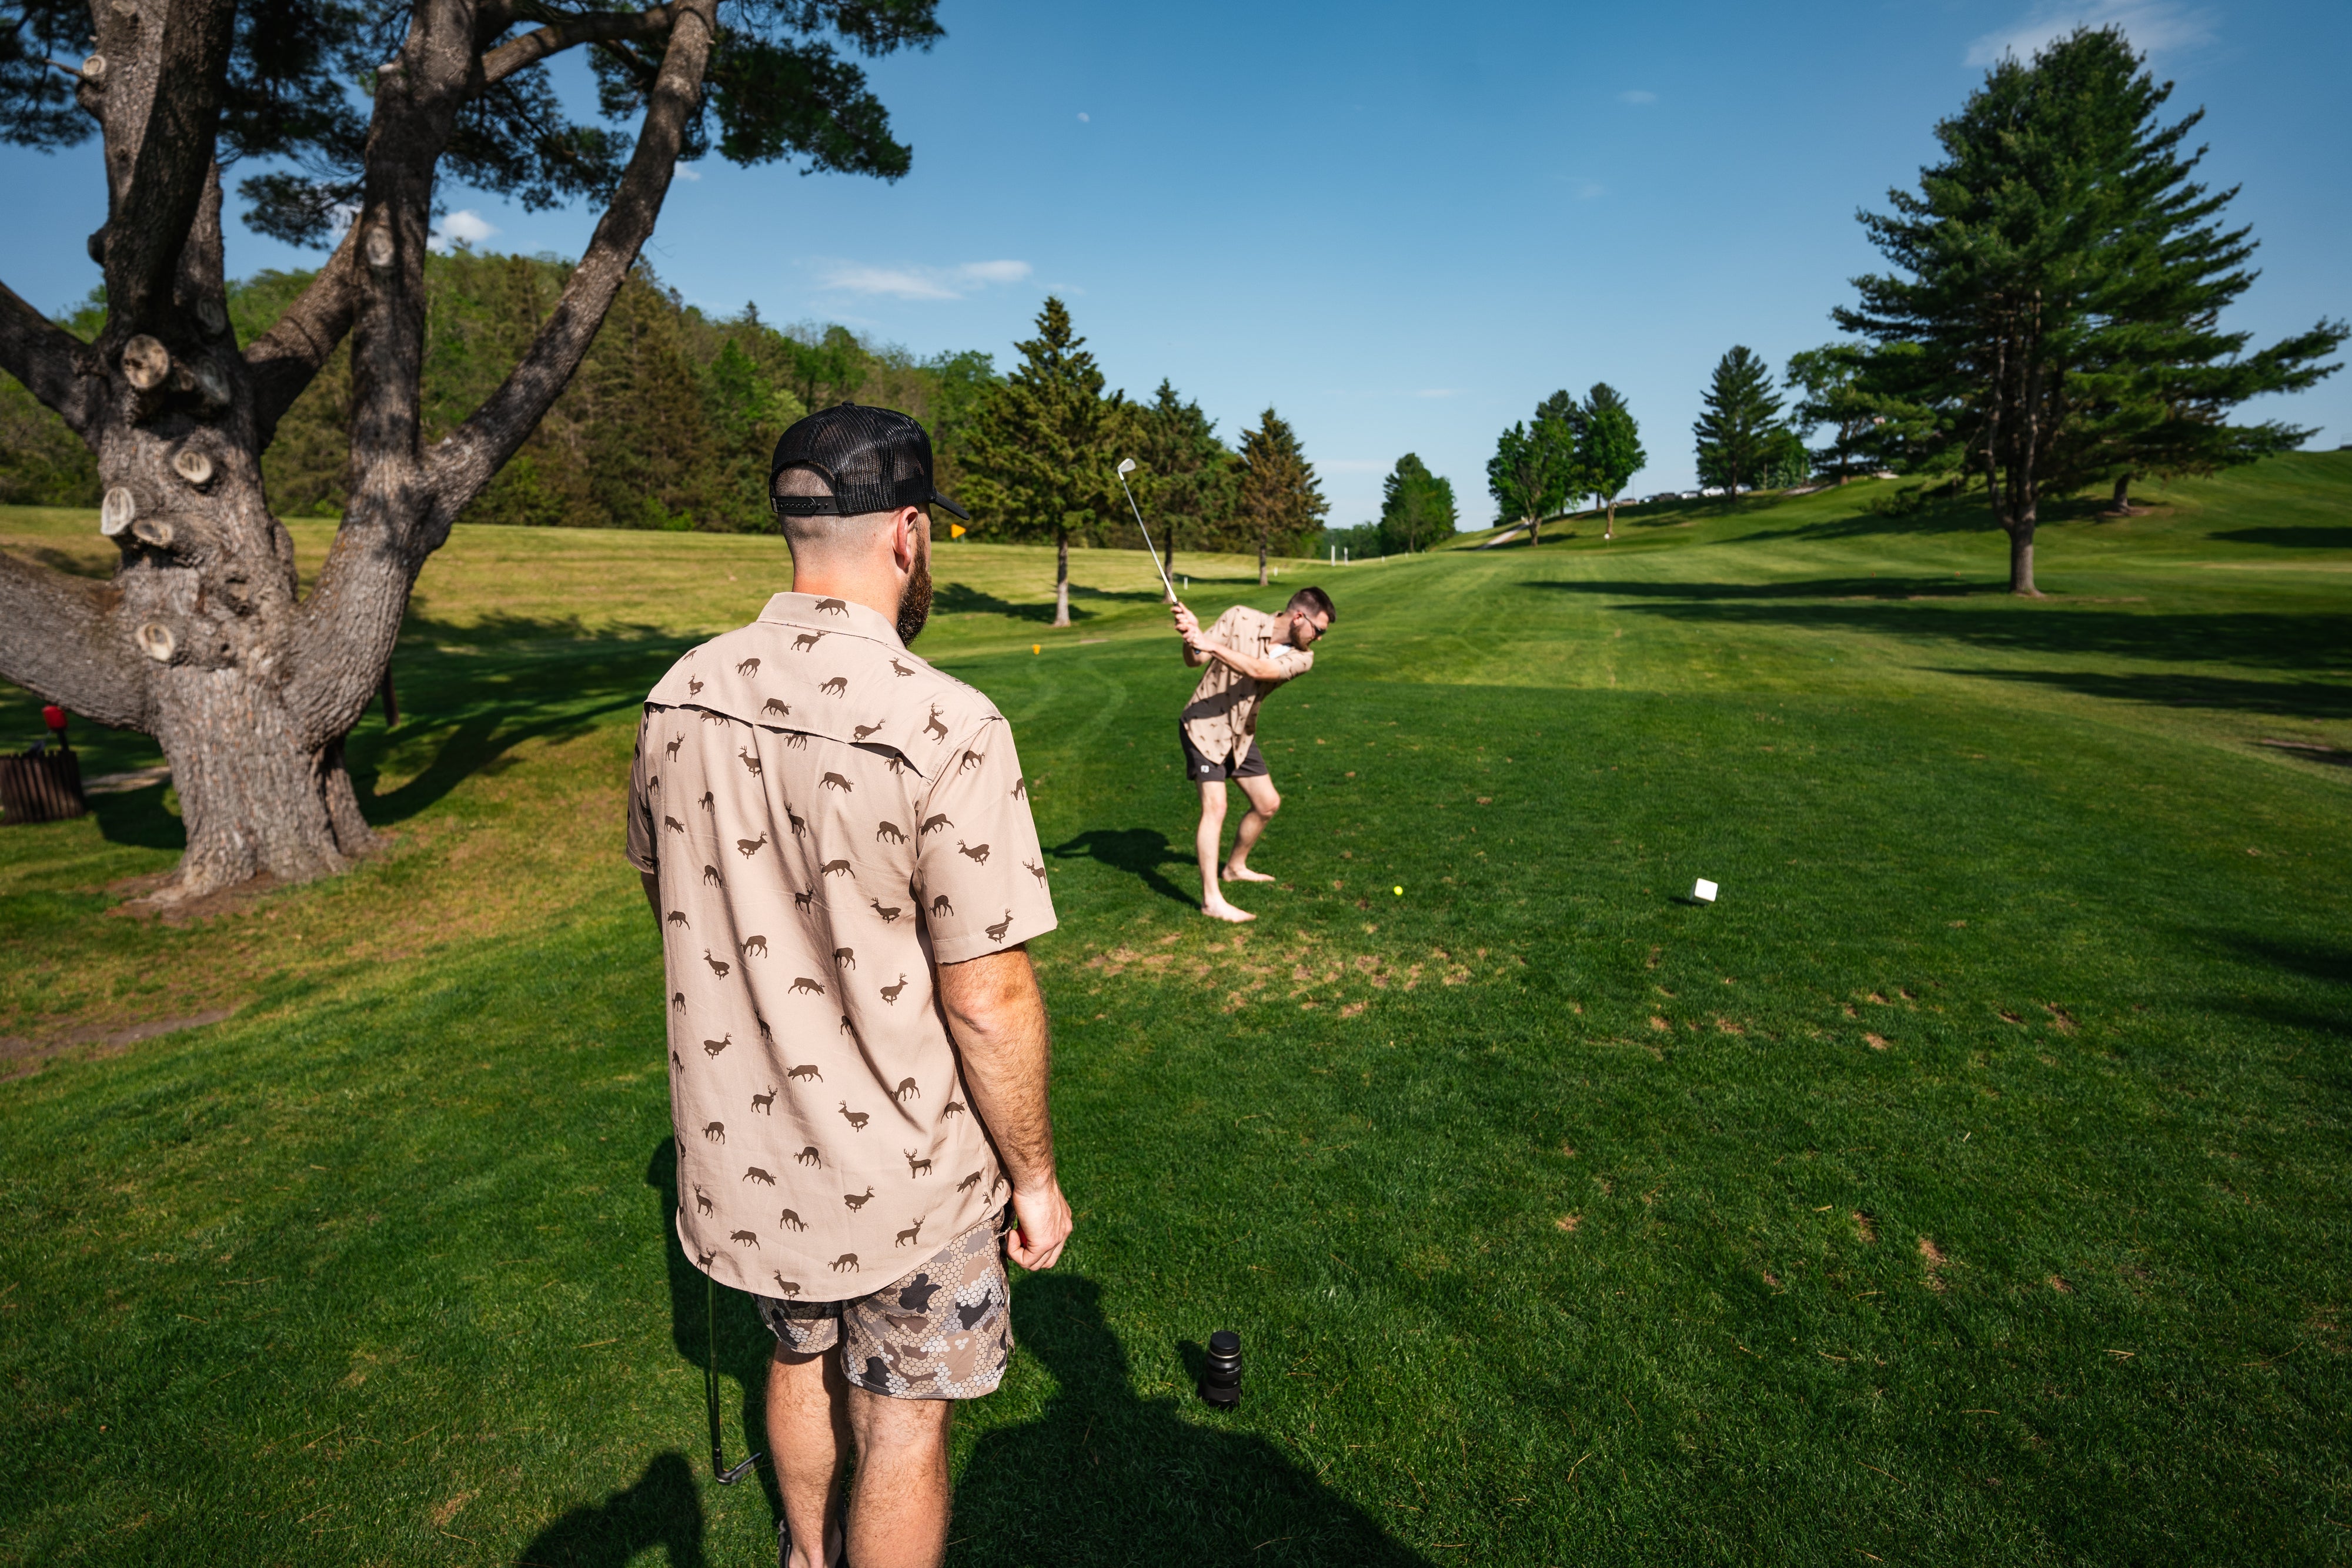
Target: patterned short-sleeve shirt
(1222,717)
(829,818)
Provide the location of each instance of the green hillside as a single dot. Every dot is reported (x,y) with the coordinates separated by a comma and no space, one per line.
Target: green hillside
(1968,1185)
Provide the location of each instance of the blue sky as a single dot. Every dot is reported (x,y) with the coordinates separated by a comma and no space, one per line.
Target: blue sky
(1399,227)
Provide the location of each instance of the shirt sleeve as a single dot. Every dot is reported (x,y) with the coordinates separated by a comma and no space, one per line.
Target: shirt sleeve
(643,785)
(981,876)
(1294,662)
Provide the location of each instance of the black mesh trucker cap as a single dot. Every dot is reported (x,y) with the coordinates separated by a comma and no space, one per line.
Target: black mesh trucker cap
(875,460)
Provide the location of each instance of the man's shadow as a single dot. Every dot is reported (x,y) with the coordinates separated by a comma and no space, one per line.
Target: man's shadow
(661,1510)
(1137,851)
(1104,1476)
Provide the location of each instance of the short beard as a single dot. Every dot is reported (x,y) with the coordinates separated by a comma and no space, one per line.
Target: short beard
(915,600)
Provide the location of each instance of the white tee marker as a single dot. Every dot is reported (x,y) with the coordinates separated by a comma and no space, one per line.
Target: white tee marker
(1704,891)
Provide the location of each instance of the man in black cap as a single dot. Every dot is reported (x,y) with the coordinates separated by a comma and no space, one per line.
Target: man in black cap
(836,841)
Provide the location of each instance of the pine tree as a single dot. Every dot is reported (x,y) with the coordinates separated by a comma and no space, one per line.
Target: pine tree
(1281,501)
(1041,452)
(1416,508)
(1186,479)
(1737,420)
(2053,314)
(1609,449)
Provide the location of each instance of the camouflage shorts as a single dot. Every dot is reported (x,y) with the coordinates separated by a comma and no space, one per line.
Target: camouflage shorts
(941,1332)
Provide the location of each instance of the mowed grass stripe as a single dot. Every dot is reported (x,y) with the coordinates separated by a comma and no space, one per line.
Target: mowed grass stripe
(1564,1222)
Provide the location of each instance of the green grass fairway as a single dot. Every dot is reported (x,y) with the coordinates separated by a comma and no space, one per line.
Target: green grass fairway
(1968,1187)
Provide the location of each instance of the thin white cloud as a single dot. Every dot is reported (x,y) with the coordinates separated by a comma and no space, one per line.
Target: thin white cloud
(1439,392)
(1586,189)
(689,172)
(921,282)
(1084,117)
(1637,95)
(464,226)
(2154,26)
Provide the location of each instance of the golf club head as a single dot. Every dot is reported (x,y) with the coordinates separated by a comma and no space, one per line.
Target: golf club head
(1125,466)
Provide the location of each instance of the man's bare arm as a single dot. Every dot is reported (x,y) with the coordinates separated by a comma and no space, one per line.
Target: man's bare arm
(998,1016)
(1266,672)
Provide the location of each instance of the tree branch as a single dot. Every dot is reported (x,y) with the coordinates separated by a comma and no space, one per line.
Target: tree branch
(603,27)
(467,459)
(60,637)
(55,365)
(149,226)
(286,359)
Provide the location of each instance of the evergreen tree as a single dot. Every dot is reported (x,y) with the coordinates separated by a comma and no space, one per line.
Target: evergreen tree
(1416,508)
(1609,449)
(2052,317)
(1186,479)
(1042,451)
(1737,420)
(1280,499)
(1832,392)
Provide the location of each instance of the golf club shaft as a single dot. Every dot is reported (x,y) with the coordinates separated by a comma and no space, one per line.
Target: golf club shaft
(1147,541)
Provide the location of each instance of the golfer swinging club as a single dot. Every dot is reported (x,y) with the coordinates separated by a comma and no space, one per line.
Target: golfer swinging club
(836,840)
(1248,653)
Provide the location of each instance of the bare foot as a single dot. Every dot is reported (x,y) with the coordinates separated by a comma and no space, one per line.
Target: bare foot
(1219,909)
(1243,873)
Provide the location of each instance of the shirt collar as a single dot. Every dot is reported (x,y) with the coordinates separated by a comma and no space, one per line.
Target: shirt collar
(810,612)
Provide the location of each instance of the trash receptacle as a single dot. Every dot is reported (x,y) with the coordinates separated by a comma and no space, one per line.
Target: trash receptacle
(43,784)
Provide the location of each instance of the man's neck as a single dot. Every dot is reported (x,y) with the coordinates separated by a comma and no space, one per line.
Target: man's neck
(879,592)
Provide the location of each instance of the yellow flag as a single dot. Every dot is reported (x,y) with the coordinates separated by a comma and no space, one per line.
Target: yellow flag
(955,530)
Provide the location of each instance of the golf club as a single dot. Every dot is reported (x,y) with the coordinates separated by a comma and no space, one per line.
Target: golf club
(1127,465)
(718,1466)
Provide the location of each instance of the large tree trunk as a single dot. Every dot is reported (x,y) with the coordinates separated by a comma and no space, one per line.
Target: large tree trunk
(1535,530)
(2121,505)
(2021,558)
(200,639)
(1062,579)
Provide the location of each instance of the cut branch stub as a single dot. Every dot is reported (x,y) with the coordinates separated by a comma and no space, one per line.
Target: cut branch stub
(114,514)
(210,315)
(155,531)
(379,247)
(193,466)
(210,382)
(93,70)
(145,362)
(157,642)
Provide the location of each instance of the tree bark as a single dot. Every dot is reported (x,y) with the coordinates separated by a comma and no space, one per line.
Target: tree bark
(2121,505)
(1608,523)
(1535,530)
(2020,559)
(1062,579)
(1261,559)
(201,639)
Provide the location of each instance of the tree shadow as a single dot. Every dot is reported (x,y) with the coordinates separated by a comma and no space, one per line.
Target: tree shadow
(2292,537)
(1103,1476)
(662,1510)
(2283,699)
(137,817)
(1138,853)
(962,598)
(1844,588)
(744,1345)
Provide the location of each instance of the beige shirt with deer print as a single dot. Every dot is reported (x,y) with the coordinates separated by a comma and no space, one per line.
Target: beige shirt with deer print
(829,818)
(1222,717)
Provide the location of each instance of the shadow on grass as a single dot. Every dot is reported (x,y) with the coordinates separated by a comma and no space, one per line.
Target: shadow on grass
(1103,1476)
(2292,538)
(1138,853)
(1993,619)
(962,598)
(662,1510)
(2281,699)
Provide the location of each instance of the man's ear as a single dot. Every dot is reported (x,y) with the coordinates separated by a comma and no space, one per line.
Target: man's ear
(903,549)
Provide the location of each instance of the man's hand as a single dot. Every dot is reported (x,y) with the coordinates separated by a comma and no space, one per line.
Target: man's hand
(1044,1226)
(1186,621)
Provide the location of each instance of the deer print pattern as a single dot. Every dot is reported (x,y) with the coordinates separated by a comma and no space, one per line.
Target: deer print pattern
(839,809)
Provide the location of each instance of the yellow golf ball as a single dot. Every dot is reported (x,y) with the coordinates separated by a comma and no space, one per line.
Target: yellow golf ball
(1399,892)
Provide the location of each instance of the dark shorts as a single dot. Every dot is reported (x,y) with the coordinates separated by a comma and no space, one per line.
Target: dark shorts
(942,1330)
(1201,770)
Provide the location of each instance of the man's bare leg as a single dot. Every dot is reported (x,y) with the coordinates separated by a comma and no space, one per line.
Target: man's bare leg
(1264,801)
(899,1507)
(1206,839)
(808,1434)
